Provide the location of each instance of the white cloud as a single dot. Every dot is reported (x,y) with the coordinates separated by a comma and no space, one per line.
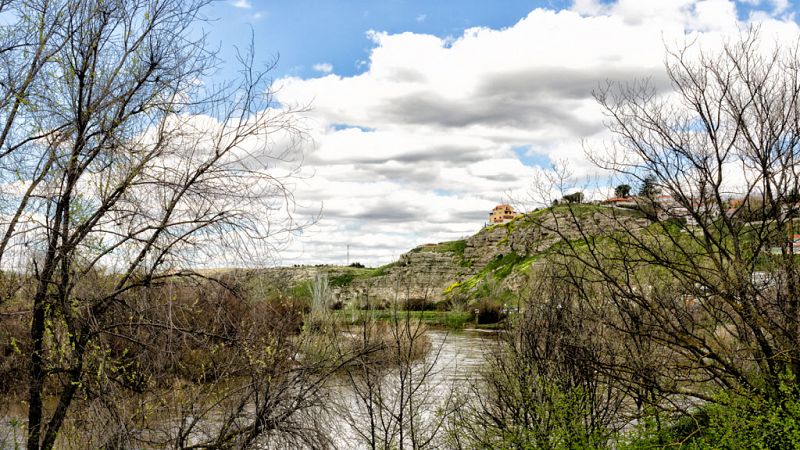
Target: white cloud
(241,4)
(323,67)
(421,17)
(779,6)
(421,145)
(589,7)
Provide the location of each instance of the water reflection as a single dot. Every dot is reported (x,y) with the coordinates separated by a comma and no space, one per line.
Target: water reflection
(435,384)
(460,354)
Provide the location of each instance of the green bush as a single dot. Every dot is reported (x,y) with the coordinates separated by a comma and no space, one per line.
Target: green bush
(419,304)
(456,320)
(343,279)
(489,311)
(734,422)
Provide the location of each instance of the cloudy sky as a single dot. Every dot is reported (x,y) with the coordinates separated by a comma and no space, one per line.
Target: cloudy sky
(427,114)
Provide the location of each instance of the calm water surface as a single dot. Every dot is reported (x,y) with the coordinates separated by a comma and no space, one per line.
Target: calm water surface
(456,359)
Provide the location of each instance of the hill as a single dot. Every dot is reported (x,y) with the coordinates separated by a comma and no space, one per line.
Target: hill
(498,257)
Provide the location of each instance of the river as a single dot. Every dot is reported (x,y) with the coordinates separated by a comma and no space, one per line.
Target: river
(438,383)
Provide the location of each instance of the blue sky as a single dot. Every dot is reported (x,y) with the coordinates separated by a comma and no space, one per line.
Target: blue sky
(309,32)
(425,114)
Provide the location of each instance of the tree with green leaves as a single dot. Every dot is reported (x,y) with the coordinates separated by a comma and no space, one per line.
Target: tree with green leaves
(649,187)
(622,191)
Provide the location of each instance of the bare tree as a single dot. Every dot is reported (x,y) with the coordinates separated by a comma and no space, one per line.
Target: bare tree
(200,363)
(547,385)
(122,168)
(710,282)
(393,395)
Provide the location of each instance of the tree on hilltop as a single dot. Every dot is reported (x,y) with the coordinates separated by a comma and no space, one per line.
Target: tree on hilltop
(649,187)
(622,191)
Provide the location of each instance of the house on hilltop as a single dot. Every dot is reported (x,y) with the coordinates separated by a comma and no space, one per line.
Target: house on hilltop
(622,202)
(502,213)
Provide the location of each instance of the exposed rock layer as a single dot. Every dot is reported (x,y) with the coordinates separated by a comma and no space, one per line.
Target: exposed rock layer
(424,273)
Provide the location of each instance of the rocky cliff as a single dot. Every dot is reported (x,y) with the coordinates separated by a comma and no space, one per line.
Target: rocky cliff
(496,254)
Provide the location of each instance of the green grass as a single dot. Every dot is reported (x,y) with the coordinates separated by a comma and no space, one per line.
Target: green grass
(455,247)
(343,276)
(455,320)
(499,268)
(301,290)
(382,270)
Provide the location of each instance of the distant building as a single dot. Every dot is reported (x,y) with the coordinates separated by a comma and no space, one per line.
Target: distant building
(665,201)
(502,213)
(734,204)
(622,202)
(668,208)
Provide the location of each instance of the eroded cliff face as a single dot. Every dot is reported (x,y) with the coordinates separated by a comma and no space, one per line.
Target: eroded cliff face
(426,272)
(537,234)
(418,276)
(485,246)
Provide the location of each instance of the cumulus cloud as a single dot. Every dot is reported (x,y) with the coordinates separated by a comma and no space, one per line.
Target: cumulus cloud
(421,145)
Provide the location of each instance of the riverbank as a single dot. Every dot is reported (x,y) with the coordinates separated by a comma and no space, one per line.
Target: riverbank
(451,320)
